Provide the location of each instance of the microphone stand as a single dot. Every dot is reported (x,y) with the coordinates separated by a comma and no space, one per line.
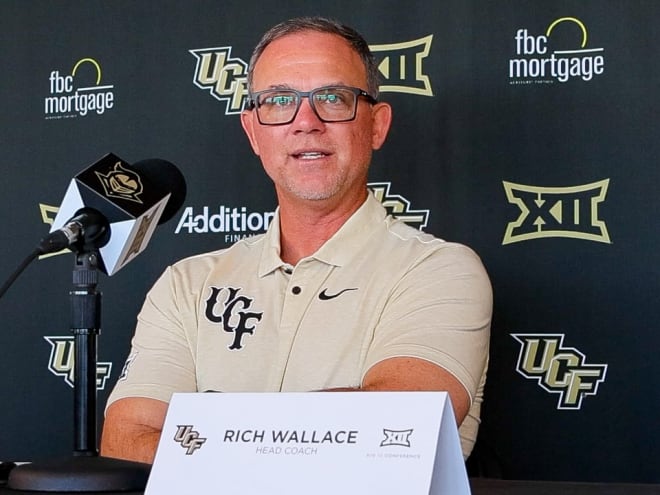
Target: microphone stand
(85,470)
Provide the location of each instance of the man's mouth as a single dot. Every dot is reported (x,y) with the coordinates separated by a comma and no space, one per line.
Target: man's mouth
(310,155)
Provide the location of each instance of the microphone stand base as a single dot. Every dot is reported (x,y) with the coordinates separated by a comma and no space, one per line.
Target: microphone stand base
(80,474)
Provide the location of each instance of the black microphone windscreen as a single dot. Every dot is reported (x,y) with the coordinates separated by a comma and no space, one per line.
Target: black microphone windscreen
(164,176)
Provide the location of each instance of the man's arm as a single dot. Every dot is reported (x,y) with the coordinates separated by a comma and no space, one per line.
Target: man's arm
(414,374)
(132,428)
(133,425)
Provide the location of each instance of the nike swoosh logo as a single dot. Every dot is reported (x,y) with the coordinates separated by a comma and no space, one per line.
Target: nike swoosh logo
(324,296)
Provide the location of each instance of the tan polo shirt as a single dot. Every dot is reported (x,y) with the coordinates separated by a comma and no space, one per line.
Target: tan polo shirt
(241,320)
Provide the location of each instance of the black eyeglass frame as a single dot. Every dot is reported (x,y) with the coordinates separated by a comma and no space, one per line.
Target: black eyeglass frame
(252,102)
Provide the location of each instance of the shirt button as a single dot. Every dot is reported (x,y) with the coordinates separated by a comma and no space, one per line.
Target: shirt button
(296,290)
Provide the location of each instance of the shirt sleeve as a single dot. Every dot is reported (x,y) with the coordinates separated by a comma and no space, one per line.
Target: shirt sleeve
(161,359)
(440,311)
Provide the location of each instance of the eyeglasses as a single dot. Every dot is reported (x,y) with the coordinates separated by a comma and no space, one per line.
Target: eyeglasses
(330,104)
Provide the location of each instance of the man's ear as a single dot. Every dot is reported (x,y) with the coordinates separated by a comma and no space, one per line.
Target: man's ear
(248,122)
(382,118)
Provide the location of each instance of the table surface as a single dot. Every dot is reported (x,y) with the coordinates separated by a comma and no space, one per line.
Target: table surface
(485,486)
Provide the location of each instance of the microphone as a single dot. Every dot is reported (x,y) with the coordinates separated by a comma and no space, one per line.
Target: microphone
(114,207)
(88,230)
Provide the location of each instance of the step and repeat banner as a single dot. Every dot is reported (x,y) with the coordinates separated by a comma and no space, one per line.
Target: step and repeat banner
(525,129)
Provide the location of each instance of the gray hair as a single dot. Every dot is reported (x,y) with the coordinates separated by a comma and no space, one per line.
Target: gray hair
(321,25)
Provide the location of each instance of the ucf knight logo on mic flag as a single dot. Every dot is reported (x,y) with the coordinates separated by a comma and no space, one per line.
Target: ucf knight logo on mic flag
(125,198)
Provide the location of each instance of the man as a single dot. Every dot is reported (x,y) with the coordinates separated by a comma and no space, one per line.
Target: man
(336,295)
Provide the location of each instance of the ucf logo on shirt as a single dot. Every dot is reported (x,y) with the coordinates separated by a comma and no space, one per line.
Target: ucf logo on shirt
(232,313)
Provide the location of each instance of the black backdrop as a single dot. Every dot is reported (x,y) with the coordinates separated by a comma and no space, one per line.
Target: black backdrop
(551,176)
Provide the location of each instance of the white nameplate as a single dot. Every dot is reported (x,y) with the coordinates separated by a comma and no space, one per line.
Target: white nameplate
(300,443)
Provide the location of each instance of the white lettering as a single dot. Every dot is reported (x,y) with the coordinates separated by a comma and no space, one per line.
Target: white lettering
(226,220)
(560,68)
(533,61)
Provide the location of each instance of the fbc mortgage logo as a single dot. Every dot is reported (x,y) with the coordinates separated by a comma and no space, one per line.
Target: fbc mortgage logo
(78,93)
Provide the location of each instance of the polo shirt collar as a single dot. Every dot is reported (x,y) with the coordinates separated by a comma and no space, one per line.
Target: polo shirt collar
(337,250)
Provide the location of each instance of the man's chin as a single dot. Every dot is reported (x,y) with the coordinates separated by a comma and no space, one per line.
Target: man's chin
(313,194)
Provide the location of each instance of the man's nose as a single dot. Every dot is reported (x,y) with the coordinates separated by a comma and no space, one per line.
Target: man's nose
(306,119)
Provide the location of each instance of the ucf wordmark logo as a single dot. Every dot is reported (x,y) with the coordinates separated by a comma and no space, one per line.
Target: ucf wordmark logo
(62,361)
(188,438)
(557,212)
(558,369)
(224,76)
(231,313)
(398,206)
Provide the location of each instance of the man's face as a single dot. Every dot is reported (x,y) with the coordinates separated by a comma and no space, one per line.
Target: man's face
(309,159)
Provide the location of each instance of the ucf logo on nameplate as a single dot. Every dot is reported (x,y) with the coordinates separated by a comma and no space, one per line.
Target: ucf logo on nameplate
(302,443)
